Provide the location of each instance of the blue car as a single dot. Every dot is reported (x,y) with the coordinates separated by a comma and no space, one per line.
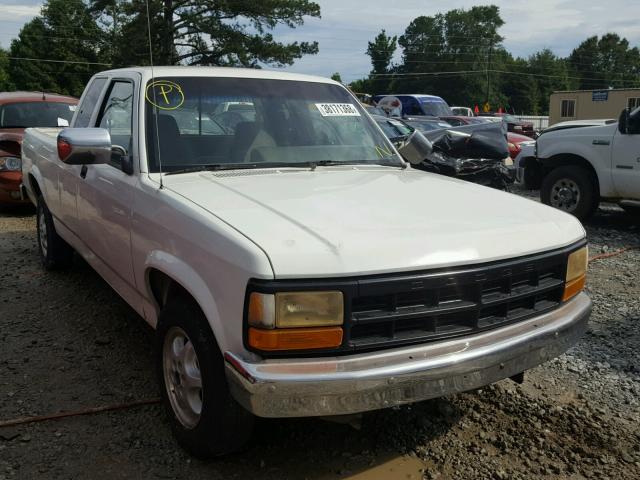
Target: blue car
(413,105)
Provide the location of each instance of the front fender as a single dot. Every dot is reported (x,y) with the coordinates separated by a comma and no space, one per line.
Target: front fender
(598,156)
(188,278)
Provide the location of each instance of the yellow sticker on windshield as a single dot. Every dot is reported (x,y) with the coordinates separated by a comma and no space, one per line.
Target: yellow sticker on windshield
(164,95)
(384,151)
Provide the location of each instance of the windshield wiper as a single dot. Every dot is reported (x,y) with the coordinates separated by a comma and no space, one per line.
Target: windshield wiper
(310,165)
(237,166)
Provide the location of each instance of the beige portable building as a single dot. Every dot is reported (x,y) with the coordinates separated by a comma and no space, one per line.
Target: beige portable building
(591,104)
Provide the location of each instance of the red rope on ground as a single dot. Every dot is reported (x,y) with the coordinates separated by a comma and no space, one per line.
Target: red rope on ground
(613,254)
(88,411)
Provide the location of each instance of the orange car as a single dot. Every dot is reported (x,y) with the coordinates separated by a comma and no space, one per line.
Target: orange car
(20,110)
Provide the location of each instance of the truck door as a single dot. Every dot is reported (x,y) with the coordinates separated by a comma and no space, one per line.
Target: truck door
(625,160)
(68,175)
(106,194)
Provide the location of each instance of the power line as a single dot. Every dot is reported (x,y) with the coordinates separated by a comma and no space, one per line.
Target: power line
(59,61)
(483,71)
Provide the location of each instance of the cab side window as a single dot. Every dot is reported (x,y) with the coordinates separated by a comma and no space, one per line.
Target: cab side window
(88,104)
(116,114)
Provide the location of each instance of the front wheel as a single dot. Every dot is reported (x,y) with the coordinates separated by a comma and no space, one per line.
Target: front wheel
(205,418)
(532,176)
(571,189)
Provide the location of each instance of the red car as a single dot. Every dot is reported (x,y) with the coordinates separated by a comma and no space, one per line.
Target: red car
(458,120)
(514,125)
(514,140)
(20,110)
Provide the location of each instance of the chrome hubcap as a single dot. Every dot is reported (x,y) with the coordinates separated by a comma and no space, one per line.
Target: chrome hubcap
(42,234)
(182,377)
(565,195)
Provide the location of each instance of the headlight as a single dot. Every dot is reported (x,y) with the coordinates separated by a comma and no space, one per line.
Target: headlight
(12,164)
(576,273)
(295,320)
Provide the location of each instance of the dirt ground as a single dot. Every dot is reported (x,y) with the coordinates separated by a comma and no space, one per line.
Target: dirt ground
(68,342)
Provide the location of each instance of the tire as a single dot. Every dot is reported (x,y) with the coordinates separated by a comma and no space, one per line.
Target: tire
(532,177)
(206,421)
(572,189)
(55,253)
(631,210)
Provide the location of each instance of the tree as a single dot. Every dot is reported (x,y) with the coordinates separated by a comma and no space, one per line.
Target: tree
(362,85)
(519,87)
(381,51)
(449,55)
(606,62)
(551,74)
(206,32)
(72,54)
(336,76)
(5,81)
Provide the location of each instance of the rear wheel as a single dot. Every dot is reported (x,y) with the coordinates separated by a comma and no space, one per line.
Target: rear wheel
(55,253)
(205,418)
(571,189)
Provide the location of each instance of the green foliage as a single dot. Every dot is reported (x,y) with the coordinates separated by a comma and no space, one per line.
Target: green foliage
(336,76)
(459,56)
(64,32)
(98,34)
(5,80)
(606,62)
(206,32)
(362,85)
(381,51)
(551,74)
(456,42)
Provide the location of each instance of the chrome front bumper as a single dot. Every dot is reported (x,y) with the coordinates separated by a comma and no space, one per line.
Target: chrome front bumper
(358,383)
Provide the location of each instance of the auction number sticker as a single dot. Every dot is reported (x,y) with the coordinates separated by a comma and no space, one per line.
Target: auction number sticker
(337,110)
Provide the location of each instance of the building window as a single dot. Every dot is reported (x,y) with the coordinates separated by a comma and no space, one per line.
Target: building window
(633,103)
(568,109)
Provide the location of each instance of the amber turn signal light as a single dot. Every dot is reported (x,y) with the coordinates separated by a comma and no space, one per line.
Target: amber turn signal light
(576,273)
(295,338)
(573,288)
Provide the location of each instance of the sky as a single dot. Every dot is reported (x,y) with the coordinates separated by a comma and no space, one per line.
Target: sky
(347,25)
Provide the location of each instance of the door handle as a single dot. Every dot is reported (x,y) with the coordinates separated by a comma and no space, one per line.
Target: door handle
(83,171)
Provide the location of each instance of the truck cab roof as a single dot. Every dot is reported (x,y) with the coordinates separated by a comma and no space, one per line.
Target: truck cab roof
(230,72)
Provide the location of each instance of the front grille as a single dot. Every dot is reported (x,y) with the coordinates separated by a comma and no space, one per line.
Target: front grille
(385,311)
(391,311)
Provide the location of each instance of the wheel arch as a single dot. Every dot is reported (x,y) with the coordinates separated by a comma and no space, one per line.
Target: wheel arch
(34,185)
(167,277)
(570,159)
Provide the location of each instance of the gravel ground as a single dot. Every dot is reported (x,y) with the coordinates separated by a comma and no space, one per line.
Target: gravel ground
(68,342)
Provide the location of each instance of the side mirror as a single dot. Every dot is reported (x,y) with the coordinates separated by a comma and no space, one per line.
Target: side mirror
(84,146)
(623,122)
(416,148)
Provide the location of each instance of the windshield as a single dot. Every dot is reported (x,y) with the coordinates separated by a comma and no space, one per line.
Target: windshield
(36,114)
(254,123)
(435,107)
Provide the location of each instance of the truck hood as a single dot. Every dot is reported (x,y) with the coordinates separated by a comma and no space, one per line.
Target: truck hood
(604,130)
(334,222)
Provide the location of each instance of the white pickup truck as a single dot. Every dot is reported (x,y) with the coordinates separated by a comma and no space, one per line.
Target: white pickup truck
(289,259)
(576,168)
